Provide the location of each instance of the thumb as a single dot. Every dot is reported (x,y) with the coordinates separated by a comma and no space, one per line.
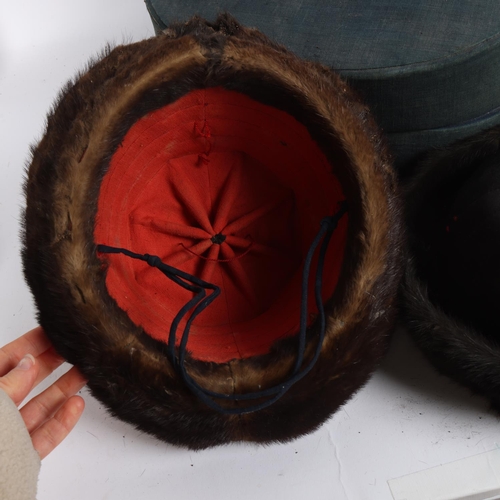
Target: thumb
(19,381)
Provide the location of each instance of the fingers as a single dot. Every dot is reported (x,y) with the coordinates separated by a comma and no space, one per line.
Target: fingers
(38,345)
(41,408)
(51,415)
(48,362)
(19,381)
(34,342)
(52,432)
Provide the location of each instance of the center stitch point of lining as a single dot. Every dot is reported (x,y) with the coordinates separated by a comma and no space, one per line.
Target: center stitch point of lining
(218,239)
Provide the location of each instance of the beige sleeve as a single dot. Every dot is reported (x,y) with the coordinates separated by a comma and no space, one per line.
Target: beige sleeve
(19,461)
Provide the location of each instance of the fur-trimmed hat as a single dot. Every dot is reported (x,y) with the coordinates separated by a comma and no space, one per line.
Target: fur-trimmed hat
(452,281)
(213,236)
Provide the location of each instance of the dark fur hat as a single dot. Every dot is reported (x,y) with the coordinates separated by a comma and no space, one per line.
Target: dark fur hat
(452,280)
(128,370)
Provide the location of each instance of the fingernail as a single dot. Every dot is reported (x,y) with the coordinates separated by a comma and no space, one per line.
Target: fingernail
(26,363)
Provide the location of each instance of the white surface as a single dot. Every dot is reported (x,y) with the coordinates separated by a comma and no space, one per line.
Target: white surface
(405,420)
(472,478)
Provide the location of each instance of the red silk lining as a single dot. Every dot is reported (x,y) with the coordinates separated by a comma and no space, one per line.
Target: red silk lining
(229,190)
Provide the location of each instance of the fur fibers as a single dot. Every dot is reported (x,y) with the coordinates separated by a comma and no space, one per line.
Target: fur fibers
(129,371)
(463,348)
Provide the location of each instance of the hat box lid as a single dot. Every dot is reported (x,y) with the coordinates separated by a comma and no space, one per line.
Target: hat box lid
(428,70)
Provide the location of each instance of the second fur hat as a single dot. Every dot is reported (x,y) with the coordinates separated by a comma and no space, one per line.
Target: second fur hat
(452,281)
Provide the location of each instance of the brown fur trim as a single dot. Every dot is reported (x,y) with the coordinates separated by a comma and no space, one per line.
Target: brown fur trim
(129,371)
(459,348)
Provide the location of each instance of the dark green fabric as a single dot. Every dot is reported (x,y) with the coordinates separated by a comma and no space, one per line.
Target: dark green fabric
(430,70)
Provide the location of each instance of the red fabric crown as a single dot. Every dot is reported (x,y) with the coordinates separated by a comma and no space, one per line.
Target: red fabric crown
(229,190)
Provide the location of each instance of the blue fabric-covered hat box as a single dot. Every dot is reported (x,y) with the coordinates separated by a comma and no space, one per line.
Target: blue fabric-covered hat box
(429,70)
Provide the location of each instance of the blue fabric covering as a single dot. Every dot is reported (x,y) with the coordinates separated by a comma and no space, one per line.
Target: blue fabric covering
(429,70)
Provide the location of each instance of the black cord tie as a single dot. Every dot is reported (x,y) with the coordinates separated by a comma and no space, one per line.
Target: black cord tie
(201,301)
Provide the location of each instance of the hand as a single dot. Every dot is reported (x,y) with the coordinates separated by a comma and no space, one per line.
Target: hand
(50,416)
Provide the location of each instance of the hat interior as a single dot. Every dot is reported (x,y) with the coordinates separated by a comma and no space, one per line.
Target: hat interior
(229,190)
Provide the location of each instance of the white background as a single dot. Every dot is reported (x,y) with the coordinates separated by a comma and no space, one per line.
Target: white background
(406,419)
